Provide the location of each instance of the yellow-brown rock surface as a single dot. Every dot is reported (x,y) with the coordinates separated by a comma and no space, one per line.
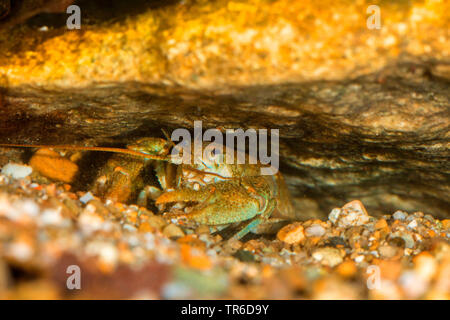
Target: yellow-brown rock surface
(221,43)
(362,113)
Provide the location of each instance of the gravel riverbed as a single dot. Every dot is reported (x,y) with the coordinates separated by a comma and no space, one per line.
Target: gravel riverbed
(48,233)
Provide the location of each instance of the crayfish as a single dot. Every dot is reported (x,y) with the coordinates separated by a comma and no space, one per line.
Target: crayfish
(206,192)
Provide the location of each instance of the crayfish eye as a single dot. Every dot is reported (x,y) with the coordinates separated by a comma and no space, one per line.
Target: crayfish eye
(155,146)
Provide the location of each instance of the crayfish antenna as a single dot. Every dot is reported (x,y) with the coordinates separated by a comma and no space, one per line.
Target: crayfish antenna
(81,148)
(166,134)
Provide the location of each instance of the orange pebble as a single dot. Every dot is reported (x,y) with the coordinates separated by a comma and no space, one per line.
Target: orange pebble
(292,233)
(195,258)
(192,240)
(51,165)
(347,269)
(146,227)
(446,223)
(431,233)
(389,269)
(381,224)
(267,271)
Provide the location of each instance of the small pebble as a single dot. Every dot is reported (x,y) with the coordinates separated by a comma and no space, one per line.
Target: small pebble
(381,224)
(146,227)
(16,171)
(52,217)
(413,285)
(87,197)
(129,227)
(51,165)
(347,269)
(156,222)
(400,215)
(316,230)
(20,250)
(409,241)
(107,253)
(352,214)
(328,256)
(90,221)
(412,224)
(292,233)
(334,215)
(173,231)
(388,251)
(425,265)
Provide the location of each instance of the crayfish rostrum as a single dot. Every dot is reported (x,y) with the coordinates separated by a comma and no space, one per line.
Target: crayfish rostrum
(207,192)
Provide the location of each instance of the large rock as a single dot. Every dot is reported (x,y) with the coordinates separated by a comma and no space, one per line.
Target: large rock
(222,43)
(363,114)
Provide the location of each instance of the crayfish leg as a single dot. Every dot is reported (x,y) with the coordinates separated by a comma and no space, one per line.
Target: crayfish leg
(255,222)
(119,180)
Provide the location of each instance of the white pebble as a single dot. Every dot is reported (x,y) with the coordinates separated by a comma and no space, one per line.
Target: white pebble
(334,215)
(17,171)
(316,230)
(412,224)
(21,251)
(400,215)
(23,211)
(52,217)
(86,197)
(413,285)
(129,227)
(328,256)
(175,290)
(106,252)
(29,207)
(90,221)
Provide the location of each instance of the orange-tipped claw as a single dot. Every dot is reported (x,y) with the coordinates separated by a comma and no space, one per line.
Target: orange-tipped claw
(183,195)
(222,204)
